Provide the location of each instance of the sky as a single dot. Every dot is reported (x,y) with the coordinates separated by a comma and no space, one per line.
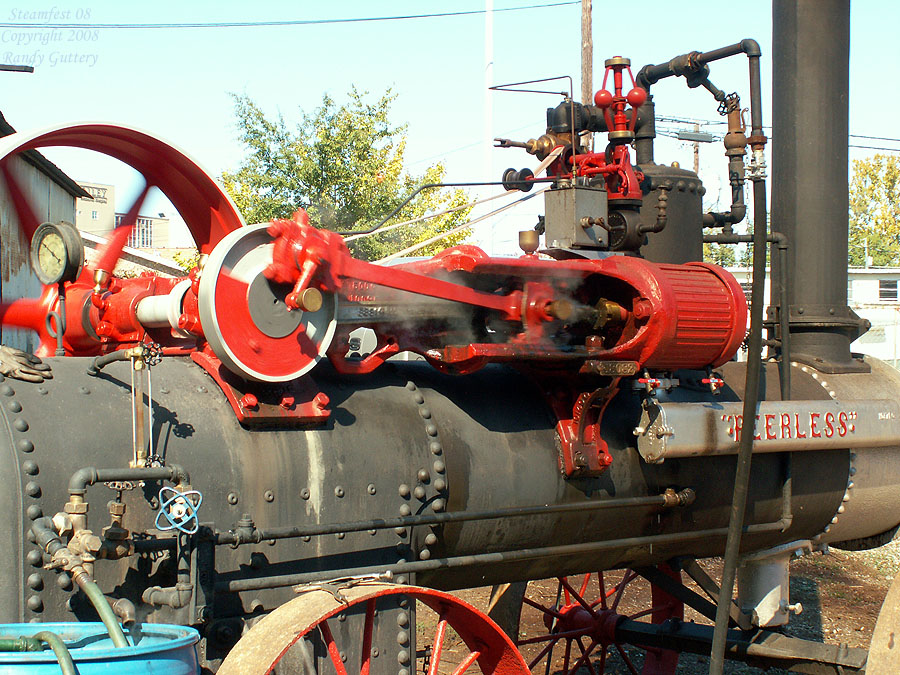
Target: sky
(177,83)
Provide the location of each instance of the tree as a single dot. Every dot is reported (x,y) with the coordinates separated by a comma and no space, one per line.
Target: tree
(344,165)
(720,254)
(875,211)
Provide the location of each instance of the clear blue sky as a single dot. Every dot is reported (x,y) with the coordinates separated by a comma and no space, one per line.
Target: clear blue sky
(175,82)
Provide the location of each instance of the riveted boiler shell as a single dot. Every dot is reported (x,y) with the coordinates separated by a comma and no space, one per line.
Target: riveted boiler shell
(397,441)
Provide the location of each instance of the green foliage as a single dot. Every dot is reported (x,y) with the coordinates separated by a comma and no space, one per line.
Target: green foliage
(875,211)
(745,251)
(344,165)
(720,254)
(187,260)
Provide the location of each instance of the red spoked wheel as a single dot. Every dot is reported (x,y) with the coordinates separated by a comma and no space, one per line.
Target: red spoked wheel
(582,620)
(208,212)
(358,630)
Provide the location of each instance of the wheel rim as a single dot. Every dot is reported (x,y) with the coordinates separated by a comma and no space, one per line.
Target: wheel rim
(206,209)
(315,615)
(581,625)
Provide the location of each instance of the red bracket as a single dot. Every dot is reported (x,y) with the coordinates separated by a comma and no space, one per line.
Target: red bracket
(292,403)
(584,452)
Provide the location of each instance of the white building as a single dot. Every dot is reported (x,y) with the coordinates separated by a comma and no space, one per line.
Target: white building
(96,214)
(874,294)
(148,232)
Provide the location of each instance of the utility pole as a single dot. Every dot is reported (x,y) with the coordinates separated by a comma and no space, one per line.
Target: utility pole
(587,54)
(697,151)
(696,137)
(587,60)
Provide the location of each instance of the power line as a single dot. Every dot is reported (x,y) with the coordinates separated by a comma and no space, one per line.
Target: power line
(876,138)
(266,24)
(686,120)
(873,147)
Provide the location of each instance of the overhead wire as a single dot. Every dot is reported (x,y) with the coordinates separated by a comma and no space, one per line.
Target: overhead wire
(427,216)
(457,229)
(276,23)
(703,122)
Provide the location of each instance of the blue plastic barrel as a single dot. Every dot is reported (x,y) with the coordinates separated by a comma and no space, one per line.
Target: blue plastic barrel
(156,649)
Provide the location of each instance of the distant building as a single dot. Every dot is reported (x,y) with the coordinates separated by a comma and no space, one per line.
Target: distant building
(148,232)
(874,294)
(97,213)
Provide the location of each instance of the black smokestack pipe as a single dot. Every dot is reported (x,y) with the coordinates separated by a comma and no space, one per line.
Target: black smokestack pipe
(810,83)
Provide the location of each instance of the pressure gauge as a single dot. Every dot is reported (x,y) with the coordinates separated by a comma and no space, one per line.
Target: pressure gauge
(57,252)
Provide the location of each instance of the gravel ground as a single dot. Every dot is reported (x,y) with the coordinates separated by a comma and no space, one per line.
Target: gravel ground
(841,593)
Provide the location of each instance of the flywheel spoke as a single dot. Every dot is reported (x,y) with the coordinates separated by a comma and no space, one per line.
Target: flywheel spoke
(603,594)
(541,608)
(466,662)
(588,618)
(585,655)
(549,648)
(627,579)
(627,660)
(579,599)
(367,638)
(333,652)
(584,585)
(437,647)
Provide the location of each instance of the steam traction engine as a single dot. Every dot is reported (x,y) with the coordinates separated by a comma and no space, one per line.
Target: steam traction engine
(572,412)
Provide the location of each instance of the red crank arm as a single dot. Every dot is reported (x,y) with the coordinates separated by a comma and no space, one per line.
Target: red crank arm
(359,270)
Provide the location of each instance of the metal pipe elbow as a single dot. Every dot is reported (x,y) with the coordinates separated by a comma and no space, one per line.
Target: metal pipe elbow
(751,47)
(81,479)
(176,596)
(124,609)
(45,535)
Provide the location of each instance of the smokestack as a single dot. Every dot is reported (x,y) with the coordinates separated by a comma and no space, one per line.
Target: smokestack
(810,78)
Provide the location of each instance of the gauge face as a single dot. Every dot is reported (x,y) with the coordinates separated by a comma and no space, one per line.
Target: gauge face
(52,254)
(56,252)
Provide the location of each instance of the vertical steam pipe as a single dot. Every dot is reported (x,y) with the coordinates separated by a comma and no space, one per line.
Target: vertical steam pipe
(757,174)
(810,79)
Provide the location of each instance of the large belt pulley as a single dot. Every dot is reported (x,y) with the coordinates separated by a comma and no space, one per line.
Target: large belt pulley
(245,319)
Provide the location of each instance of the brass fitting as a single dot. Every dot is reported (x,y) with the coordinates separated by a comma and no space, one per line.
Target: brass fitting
(115,531)
(101,280)
(735,137)
(529,240)
(542,146)
(76,508)
(609,312)
(85,541)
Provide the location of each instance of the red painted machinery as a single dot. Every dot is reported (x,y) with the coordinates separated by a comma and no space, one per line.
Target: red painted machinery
(564,412)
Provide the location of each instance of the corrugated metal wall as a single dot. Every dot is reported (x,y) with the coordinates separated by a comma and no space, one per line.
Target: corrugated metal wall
(50,202)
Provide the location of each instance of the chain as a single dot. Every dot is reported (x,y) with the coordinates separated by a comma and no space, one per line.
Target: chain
(121,485)
(152,353)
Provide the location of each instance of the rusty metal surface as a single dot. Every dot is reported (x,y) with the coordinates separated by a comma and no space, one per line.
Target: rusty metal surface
(262,648)
(884,651)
